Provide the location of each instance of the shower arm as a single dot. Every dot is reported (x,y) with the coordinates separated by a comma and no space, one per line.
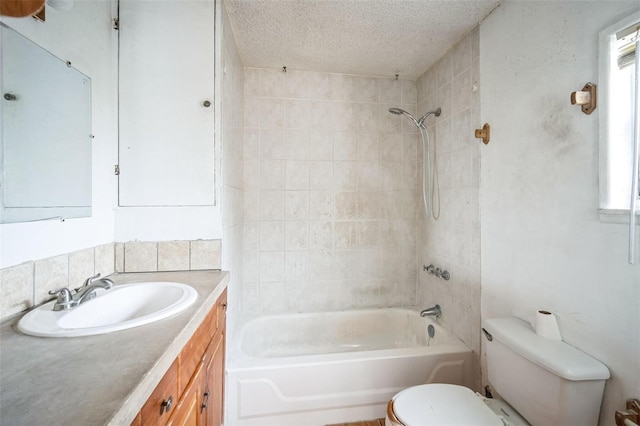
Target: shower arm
(422,119)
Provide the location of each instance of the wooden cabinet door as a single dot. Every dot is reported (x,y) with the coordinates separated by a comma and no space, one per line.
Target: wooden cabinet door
(213,392)
(187,413)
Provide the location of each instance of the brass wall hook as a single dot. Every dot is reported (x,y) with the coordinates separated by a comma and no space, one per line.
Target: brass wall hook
(484,133)
(586,98)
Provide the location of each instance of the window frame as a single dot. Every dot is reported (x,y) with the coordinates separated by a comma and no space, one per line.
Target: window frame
(607,213)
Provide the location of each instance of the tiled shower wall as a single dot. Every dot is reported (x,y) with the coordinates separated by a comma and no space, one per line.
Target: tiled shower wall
(453,242)
(330,181)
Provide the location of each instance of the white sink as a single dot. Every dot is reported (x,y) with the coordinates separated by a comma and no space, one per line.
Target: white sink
(122,307)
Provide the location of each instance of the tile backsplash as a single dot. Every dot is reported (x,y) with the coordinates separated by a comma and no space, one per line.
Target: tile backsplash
(28,284)
(146,256)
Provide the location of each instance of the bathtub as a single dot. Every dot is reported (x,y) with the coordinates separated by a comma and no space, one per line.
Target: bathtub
(333,367)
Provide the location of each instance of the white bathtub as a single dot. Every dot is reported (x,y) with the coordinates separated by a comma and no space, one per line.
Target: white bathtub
(316,369)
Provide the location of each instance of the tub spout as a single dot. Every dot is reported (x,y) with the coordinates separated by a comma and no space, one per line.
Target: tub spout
(434,311)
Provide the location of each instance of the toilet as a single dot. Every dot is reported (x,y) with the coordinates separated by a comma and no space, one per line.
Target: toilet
(540,381)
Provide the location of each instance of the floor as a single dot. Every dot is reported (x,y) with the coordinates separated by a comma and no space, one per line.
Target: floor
(377,422)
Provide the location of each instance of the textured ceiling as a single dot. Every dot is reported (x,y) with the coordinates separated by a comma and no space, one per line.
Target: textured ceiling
(365,37)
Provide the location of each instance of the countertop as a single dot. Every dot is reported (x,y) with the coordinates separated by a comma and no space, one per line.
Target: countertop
(97,380)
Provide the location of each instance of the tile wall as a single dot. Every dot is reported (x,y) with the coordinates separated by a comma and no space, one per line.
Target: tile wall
(453,242)
(28,284)
(330,190)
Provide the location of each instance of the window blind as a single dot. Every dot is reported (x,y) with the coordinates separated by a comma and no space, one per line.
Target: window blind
(627,45)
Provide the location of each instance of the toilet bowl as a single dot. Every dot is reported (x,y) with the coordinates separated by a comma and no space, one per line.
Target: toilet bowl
(448,405)
(546,381)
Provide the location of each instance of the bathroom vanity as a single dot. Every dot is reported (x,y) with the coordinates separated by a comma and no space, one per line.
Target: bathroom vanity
(167,372)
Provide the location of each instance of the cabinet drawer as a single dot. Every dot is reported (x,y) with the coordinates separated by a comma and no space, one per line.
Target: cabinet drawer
(159,406)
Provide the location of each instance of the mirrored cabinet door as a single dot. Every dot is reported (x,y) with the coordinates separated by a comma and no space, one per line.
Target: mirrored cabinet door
(46,134)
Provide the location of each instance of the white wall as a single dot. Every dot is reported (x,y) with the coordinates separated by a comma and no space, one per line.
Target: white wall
(543,245)
(82,35)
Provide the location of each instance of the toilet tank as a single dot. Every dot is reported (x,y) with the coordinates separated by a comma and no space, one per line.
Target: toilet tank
(548,382)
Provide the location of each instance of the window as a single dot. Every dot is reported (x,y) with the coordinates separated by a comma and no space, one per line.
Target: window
(617,102)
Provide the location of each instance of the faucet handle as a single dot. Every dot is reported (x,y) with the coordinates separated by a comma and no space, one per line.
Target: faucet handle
(64,295)
(64,300)
(87,282)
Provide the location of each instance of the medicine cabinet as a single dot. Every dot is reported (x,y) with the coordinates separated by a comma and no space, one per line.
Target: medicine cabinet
(45,172)
(166,117)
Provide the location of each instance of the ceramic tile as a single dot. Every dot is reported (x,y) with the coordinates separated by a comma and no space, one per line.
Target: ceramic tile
(345,235)
(271,236)
(297,114)
(271,83)
(271,113)
(297,175)
(297,205)
(251,236)
(272,266)
(105,259)
(17,286)
(81,266)
(296,84)
(320,235)
(272,174)
(205,254)
(296,235)
(272,205)
(390,90)
(320,205)
(251,266)
(321,174)
(173,255)
(140,256)
(296,266)
(51,274)
(119,256)
(321,145)
(319,86)
(297,144)
(251,175)
(272,144)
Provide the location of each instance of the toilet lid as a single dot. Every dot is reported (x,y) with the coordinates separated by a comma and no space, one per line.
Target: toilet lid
(442,405)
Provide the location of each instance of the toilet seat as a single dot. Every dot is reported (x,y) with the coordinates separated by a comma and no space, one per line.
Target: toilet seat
(442,405)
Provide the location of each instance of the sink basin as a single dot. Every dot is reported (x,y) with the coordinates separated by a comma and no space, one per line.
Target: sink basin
(122,307)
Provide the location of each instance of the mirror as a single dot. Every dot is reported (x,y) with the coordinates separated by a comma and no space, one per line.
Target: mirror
(45,172)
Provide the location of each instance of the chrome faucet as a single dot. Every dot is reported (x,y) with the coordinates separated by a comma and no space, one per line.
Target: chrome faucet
(434,311)
(67,300)
(88,289)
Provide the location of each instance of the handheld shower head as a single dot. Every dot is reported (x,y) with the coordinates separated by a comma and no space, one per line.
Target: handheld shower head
(398,111)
